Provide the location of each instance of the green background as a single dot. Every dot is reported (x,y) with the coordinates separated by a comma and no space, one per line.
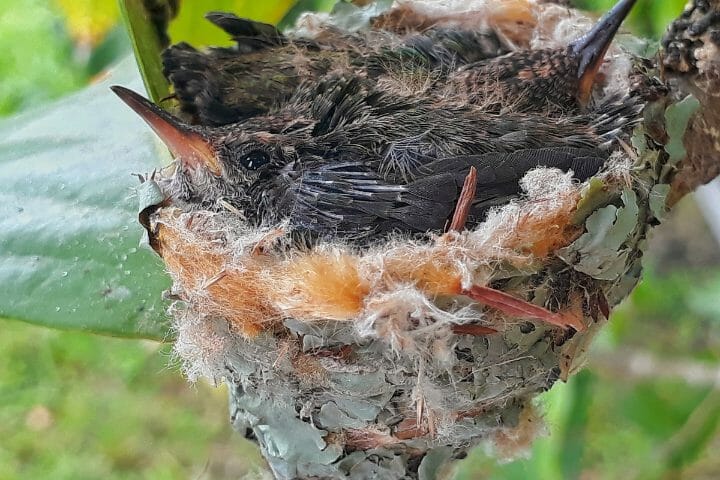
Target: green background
(74,405)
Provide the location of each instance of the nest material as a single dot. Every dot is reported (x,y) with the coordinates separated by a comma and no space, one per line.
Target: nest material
(385,353)
(237,273)
(389,361)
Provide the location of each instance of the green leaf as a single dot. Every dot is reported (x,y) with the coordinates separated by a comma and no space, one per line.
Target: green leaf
(684,420)
(575,424)
(692,439)
(190,24)
(147,46)
(69,253)
(38,64)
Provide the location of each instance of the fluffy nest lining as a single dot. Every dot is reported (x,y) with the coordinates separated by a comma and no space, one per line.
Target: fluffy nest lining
(399,291)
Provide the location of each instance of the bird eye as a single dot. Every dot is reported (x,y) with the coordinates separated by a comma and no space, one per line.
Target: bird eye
(255,159)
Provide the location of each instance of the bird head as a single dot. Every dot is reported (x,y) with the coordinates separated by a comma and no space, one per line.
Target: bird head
(225,156)
(590,49)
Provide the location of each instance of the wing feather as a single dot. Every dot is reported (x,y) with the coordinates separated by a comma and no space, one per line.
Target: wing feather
(346,198)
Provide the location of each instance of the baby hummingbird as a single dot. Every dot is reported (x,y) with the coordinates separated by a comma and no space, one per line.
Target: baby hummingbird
(338,154)
(225,85)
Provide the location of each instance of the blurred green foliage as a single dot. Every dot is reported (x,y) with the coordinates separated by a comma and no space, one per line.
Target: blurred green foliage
(189,26)
(41,60)
(77,406)
(648,18)
(36,62)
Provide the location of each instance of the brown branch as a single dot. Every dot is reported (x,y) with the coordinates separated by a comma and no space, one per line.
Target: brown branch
(691,64)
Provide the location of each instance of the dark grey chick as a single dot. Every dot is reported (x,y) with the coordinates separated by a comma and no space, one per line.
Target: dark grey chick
(341,160)
(221,86)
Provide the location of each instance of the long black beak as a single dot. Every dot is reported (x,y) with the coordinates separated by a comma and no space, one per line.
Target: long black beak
(192,148)
(591,47)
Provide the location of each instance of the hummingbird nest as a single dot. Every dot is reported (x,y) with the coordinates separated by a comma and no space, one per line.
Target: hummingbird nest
(399,348)
(387,359)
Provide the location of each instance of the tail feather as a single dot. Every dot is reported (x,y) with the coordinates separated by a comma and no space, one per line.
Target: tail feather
(250,35)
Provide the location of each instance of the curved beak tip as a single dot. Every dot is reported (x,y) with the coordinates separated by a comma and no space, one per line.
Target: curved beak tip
(190,146)
(591,47)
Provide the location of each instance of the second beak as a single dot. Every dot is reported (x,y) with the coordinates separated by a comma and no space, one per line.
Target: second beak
(591,47)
